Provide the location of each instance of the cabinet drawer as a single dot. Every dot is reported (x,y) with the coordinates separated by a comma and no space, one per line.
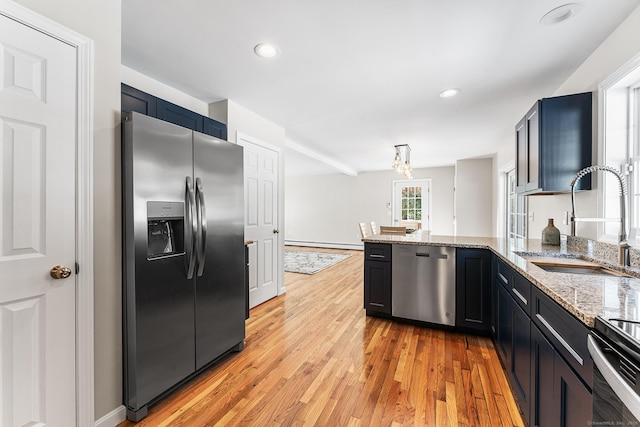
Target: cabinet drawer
(377,252)
(567,334)
(503,272)
(520,290)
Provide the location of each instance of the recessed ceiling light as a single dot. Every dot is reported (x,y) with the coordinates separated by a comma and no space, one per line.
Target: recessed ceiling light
(560,14)
(266,50)
(449,93)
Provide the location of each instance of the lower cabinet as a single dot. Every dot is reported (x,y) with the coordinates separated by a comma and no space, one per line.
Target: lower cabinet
(548,390)
(473,289)
(558,395)
(377,279)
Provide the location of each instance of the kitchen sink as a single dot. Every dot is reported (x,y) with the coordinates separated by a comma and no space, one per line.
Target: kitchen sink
(581,268)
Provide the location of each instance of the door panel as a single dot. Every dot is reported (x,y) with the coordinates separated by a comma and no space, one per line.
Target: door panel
(261,220)
(37,227)
(220,289)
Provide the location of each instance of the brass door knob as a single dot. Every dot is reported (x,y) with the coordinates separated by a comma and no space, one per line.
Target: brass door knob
(276,231)
(60,272)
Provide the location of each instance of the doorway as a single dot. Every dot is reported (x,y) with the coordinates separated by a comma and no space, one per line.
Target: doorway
(412,203)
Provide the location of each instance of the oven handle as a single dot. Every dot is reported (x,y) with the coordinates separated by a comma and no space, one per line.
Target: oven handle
(626,394)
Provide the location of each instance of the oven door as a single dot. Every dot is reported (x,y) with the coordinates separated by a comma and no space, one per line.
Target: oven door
(614,400)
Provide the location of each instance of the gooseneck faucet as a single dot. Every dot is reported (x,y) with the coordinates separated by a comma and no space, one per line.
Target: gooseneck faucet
(623,244)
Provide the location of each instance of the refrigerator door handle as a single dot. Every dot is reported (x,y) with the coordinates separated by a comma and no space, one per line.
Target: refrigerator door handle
(189,228)
(201,237)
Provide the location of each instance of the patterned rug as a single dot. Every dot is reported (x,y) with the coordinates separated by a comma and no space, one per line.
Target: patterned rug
(310,262)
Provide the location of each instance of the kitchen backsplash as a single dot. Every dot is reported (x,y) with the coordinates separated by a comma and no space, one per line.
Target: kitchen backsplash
(600,250)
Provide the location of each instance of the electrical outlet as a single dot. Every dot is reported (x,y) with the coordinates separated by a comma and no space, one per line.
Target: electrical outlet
(532,217)
(565,218)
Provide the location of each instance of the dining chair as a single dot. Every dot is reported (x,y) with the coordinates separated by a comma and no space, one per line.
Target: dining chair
(397,231)
(374,227)
(364,231)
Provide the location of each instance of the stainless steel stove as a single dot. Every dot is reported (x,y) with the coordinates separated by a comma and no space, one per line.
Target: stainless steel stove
(614,345)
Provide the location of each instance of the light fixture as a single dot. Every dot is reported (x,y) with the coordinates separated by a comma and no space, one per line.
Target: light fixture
(560,14)
(402,161)
(266,50)
(449,93)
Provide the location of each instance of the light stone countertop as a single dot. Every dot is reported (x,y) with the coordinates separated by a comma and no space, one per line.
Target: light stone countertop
(584,296)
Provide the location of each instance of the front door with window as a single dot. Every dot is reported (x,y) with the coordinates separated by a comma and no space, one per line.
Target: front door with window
(411,203)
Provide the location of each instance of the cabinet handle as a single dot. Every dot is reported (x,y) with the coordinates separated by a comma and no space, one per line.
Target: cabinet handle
(376,256)
(559,338)
(520,296)
(421,254)
(503,279)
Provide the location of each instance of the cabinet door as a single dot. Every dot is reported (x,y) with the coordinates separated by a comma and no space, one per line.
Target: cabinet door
(544,411)
(521,357)
(214,128)
(533,147)
(377,287)
(180,116)
(504,328)
(522,168)
(473,289)
(132,99)
(573,399)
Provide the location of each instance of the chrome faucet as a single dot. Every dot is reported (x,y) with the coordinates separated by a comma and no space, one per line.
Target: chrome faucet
(623,244)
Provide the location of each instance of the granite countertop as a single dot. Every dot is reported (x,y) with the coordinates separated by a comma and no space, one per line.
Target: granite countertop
(584,296)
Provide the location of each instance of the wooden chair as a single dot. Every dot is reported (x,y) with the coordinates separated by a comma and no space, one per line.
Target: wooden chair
(396,231)
(364,231)
(374,227)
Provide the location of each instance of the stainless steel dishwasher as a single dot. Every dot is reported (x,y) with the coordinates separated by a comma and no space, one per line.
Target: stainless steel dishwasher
(423,283)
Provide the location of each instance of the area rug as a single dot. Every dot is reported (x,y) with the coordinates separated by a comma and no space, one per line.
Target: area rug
(306,262)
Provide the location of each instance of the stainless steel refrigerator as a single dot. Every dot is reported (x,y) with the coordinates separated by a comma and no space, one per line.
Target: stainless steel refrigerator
(183,256)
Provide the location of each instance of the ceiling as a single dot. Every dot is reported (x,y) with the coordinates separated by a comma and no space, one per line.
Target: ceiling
(354,78)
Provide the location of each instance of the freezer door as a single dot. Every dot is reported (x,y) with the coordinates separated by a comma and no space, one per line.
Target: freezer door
(157,296)
(220,285)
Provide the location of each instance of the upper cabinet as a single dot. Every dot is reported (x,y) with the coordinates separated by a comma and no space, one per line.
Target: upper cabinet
(133,99)
(553,142)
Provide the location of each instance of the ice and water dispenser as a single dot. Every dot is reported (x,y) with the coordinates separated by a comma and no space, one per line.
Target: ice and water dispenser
(165,229)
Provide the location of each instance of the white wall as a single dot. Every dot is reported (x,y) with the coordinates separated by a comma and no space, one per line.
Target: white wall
(474,197)
(145,83)
(327,208)
(100,21)
(622,45)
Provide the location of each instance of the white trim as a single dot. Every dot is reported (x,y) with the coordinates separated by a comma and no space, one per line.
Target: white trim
(244,137)
(618,78)
(84,200)
(113,418)
(340,167)
(305,243)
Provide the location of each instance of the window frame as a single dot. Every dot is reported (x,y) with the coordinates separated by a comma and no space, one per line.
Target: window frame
(619,100)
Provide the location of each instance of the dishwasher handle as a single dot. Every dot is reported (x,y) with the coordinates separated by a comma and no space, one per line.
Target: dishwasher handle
(439,256)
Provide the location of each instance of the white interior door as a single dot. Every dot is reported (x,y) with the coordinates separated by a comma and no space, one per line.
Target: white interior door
(261,220)
(37,227)
(412,203)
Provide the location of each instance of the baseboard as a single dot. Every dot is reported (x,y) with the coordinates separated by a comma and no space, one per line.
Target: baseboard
(113,418)
(357,247)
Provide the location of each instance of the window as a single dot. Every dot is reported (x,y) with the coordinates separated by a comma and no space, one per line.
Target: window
(516,209)
(411,200)
(621,150)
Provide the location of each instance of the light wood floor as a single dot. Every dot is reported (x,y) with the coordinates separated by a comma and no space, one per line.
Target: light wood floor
(312,357)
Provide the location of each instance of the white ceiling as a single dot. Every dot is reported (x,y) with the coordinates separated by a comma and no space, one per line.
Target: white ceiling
(355,77)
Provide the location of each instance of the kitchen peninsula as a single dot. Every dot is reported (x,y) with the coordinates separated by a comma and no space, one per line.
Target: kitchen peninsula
(539,319)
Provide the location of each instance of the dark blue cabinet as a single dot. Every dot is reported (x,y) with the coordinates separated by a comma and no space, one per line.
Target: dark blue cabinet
(133,99)
(377,279)
(214,128)
(542,412)
(553,143)
(180,116)
(521,357)
(473,289)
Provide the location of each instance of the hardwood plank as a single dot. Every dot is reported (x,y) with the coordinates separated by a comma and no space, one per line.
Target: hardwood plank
(313,357)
